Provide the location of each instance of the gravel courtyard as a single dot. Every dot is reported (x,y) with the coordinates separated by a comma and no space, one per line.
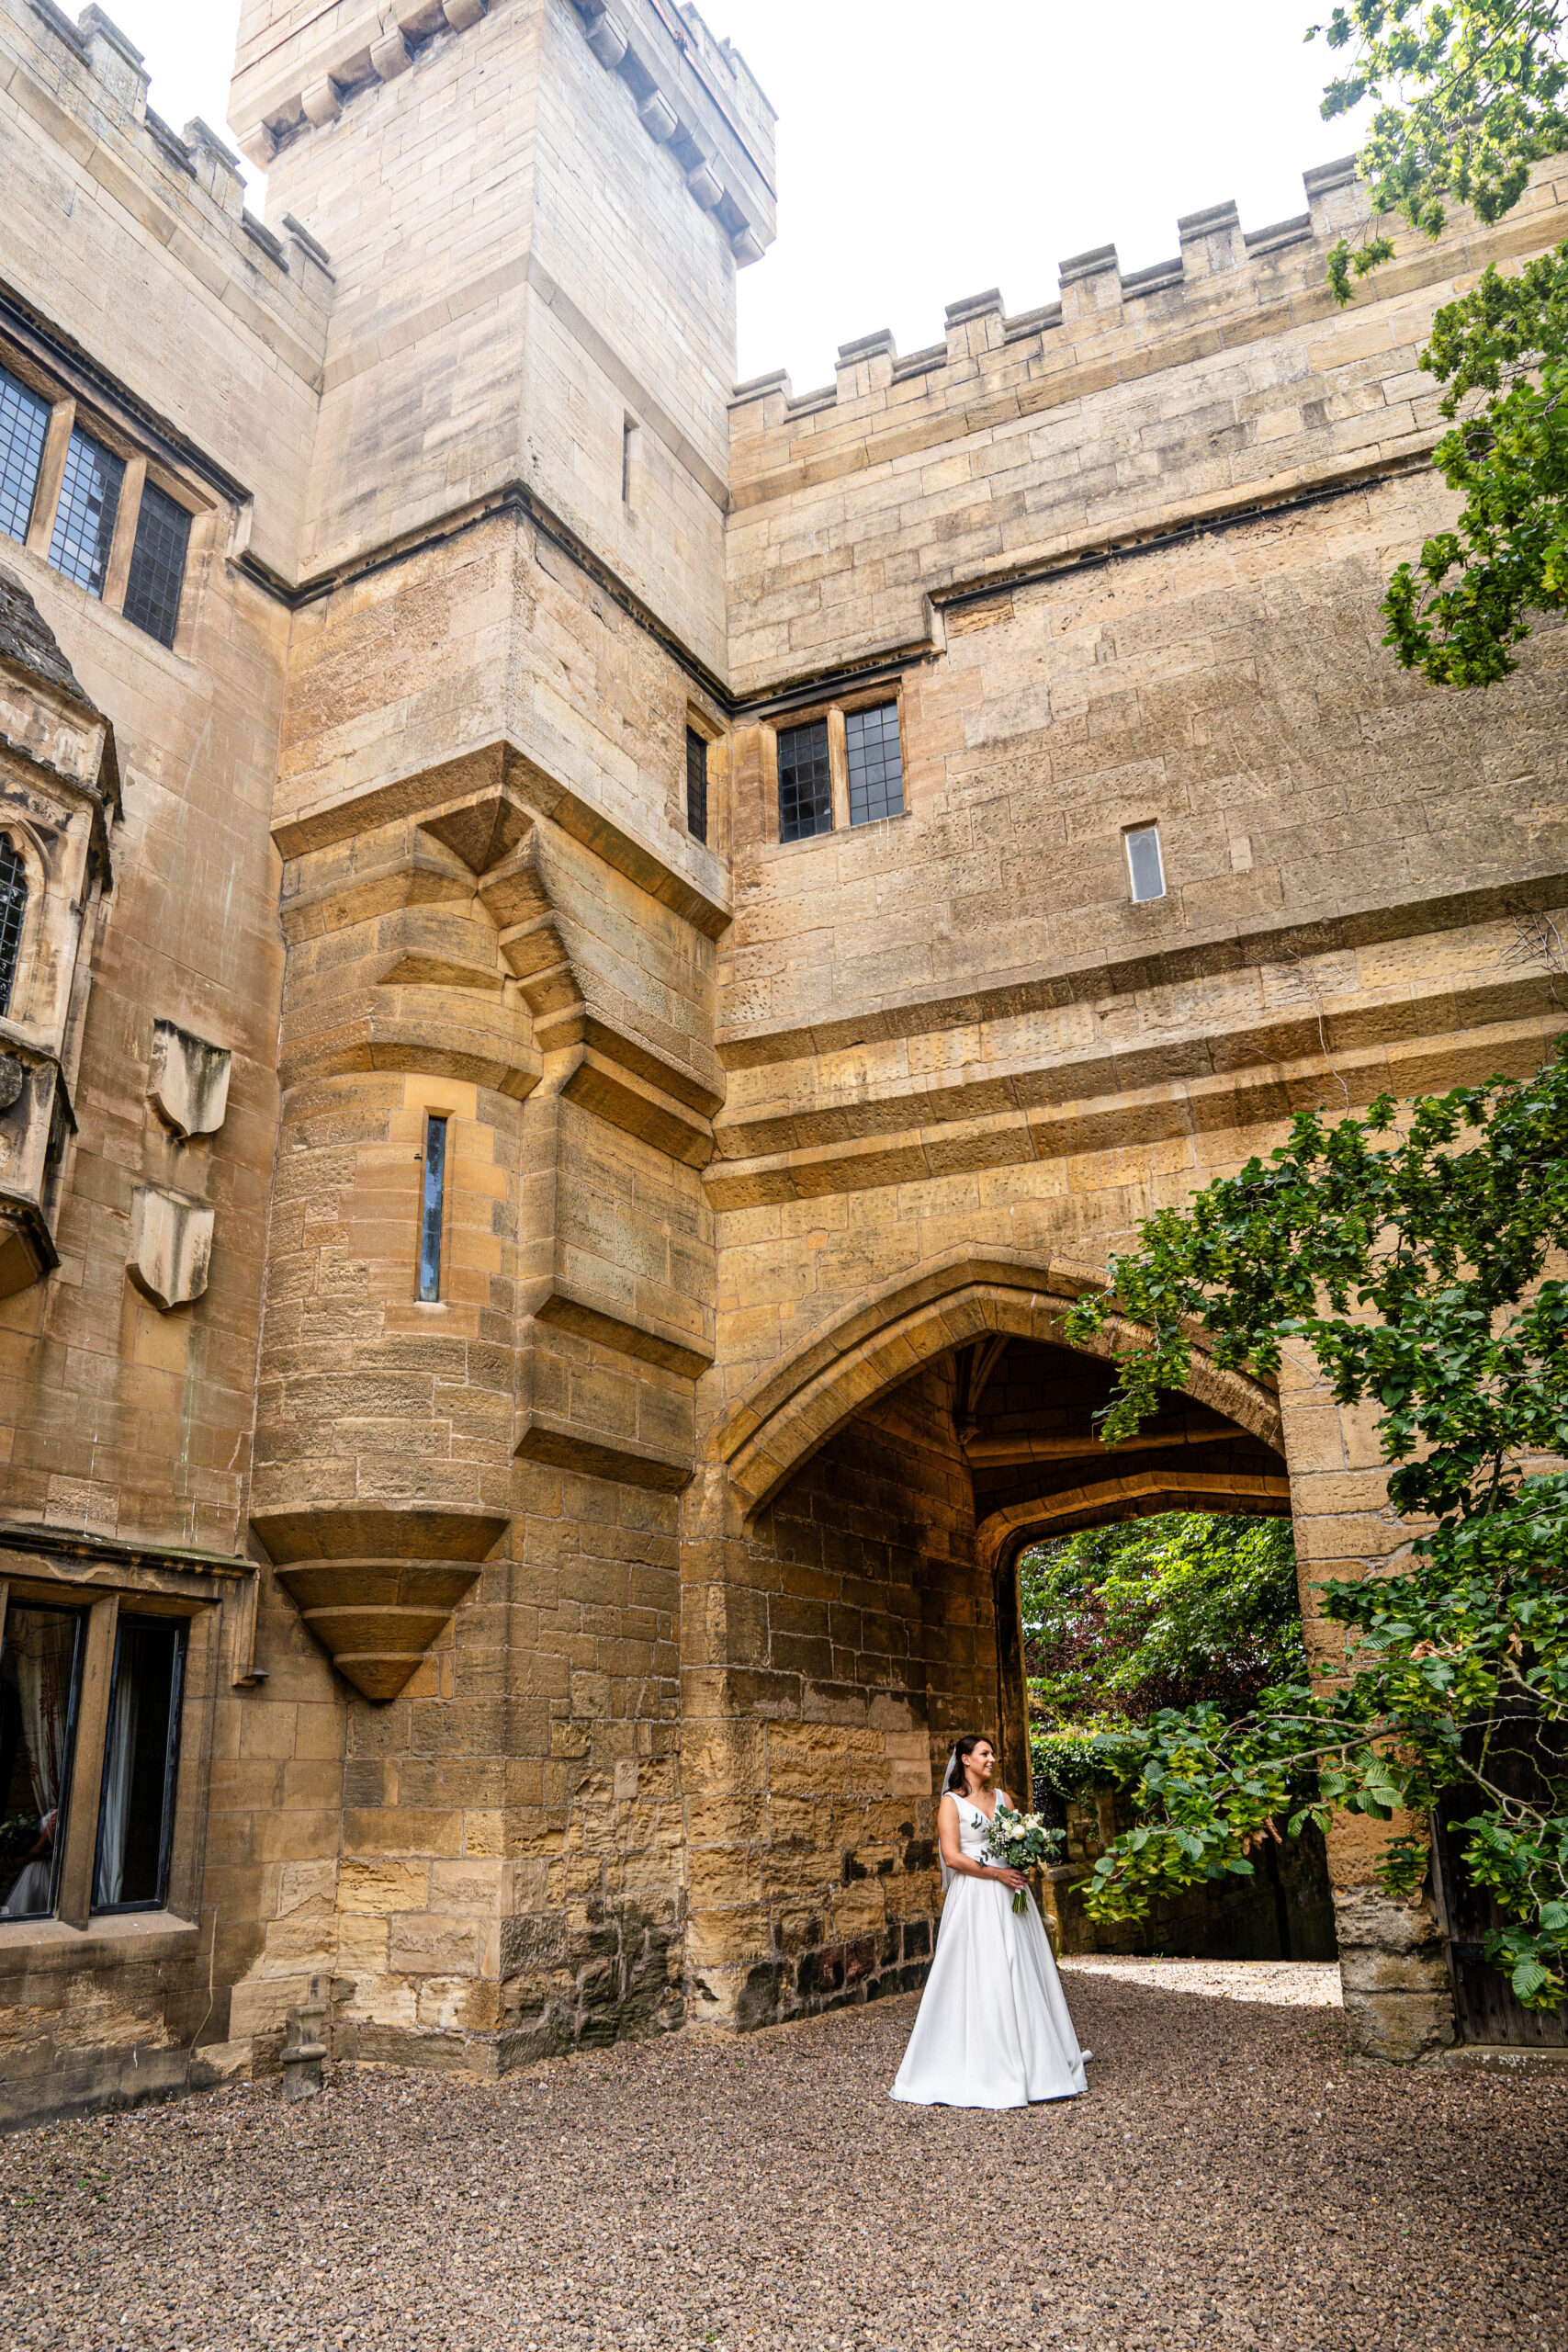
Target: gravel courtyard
(1228,2180)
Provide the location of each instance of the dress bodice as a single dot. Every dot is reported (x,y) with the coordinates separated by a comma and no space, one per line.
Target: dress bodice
(972,1827)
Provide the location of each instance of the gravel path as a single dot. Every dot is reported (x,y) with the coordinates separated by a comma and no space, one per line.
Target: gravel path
(1228,2180)
(1290,1984)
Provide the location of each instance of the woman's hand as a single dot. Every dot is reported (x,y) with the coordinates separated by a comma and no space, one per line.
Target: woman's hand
(1015,1879)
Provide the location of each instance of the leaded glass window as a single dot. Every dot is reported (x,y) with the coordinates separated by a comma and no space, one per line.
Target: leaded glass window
(805,788)
(24,427)
(157,565)
(696,785)
(875,763)
(12,915)
(84,519)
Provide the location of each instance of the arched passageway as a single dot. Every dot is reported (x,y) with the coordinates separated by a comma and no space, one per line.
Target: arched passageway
(850,1605)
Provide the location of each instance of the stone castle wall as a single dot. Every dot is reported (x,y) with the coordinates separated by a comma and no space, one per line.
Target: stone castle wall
(572,1653)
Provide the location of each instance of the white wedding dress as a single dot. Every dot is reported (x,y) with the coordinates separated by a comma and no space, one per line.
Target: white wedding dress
(993,2028)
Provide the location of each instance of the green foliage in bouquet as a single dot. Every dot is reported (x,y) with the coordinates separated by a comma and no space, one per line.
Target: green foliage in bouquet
(1406,1251)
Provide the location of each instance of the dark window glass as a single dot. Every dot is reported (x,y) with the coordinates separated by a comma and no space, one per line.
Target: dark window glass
(136,1815)
(435,1199)
(157,565)
(806,790)
(40,1668)
(876,766)
(24,427)
(12,915)
(696,785)
(84,519)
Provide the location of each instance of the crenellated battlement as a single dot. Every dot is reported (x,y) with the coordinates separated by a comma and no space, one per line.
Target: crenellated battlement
(1219,269)
(84,84)
(296,71)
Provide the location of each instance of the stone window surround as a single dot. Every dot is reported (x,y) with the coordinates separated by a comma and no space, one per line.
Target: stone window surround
(68,412)
(835,709)
(47,1567)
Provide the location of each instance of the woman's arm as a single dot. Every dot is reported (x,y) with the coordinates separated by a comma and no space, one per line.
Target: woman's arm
(952,1853)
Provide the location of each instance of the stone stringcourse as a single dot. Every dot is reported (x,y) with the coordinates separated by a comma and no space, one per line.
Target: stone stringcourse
(584,1576)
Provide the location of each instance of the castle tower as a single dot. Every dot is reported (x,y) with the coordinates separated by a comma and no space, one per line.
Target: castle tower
(491,1265)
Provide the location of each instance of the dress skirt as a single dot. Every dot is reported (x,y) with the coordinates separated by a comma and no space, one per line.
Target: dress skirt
(993,2028)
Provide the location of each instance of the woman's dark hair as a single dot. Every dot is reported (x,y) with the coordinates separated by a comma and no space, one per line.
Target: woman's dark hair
(957,1781)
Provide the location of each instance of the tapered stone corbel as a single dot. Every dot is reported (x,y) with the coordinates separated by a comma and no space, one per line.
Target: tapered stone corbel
(606,38)
(461,14)
(376,1584)
(390,56)
(321,103)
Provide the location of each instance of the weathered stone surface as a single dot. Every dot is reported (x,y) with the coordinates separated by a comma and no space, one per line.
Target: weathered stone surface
(668,1522)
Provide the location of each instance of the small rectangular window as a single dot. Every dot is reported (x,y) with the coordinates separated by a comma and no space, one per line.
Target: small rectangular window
(157,565)
(84,519)
(136,1812)
(40,1672)
(434,1201)
(805,787)
(630,451)
(1144,864)
(876,765)
(696,785)
(23,428)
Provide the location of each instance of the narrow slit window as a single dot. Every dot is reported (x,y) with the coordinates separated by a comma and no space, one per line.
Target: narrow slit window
(23,428)
(136,1812)
(630,445)
(158,565)
(84,519)
(12,915)
(696,785)
(1145,868)
(435,1207)
(806,788)
(875,763)
(40,1672)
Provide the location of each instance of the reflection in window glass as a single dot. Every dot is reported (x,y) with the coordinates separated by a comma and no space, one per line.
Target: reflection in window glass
(806,790)
(84,519)
(434,1208)
(24,427)
(39,1666)
(1144,862)
(876,766)
(136,1814)
(12,915)
(157,565)
(696,785)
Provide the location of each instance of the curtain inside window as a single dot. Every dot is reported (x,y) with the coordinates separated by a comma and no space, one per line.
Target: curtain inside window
(138,1764)
(37,1691)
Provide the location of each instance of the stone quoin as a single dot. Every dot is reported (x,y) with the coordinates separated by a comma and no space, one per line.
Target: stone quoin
(590,962)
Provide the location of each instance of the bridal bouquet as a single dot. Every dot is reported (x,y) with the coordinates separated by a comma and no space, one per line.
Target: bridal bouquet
(1020,1841)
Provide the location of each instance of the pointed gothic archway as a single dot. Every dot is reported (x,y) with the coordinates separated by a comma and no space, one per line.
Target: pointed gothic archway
(859,1607)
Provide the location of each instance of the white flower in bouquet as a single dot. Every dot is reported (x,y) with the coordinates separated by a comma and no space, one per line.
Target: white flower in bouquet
(1020,1841)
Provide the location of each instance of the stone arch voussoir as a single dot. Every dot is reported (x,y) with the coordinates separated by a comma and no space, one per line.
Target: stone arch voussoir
(876,1345)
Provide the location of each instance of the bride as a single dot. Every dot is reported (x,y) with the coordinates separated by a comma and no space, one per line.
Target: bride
(993,2028)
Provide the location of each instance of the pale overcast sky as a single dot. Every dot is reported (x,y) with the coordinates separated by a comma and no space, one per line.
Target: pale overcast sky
(928,151)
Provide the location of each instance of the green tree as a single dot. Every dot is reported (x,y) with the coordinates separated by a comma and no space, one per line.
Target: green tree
(1173,1611)
(1411,1255)
(1469,96)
